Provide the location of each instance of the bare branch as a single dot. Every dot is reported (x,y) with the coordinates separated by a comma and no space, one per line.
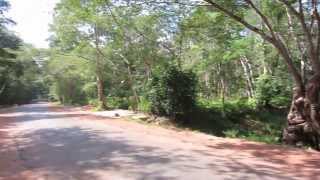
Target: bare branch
(263,17)
(76,55)
(299,42)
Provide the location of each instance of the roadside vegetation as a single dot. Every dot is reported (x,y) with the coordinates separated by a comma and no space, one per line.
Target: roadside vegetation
(227,68)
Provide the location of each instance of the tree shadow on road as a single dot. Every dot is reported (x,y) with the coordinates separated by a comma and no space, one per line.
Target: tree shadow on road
(87,153)
(84,154)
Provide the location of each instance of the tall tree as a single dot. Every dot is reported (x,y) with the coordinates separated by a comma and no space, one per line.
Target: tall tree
(304,118)
(8,40)
(84,24)
(8,43)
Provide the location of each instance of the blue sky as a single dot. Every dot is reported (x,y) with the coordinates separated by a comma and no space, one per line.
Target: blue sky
(33,18)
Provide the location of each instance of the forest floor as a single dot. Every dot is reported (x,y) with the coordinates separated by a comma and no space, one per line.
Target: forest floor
(44,141)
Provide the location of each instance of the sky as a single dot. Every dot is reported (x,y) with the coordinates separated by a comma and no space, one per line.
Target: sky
(33,18)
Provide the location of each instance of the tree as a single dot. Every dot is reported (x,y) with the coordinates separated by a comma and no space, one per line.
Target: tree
(86,28)
(10,69)
(8,40)
(291,27)
(303,119)
(119,40)
(21,79)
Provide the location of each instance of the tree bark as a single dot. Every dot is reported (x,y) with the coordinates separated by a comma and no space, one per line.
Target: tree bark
(248,75)
(100,88)
(304,116)
(303,119)
(134,92)
(99,77)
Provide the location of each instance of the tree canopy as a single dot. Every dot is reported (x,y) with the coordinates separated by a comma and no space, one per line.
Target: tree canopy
(140,55)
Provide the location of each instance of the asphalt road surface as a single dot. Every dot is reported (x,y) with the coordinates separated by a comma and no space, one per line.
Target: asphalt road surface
(40,141)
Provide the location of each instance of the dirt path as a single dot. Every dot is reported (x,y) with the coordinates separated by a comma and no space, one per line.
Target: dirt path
(38,141)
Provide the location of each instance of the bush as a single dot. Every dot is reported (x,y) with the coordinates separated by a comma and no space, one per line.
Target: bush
(173,93)
(68,90)
(241,120)
(118,103)
(17,92)
(229,107)
(231,133)
(144,105)
(272,92)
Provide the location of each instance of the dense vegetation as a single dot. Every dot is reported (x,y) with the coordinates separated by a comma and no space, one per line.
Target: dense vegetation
(173,93)
(224,67)
(19,74)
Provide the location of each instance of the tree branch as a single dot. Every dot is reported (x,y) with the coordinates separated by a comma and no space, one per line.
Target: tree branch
(263,17)
(113,16)
(317,17)
(290,7)
(75,55)
(307,33)
(276,42)
(240,20)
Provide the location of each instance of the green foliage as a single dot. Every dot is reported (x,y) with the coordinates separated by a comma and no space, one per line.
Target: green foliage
(8,40)
(20,78)
(119,47)
(231,133)
(230,106)
(16,79)
(118,103)
(144,105)
(240,120)
(173,92)
(70,80)
(90,89)
(271,91)
(17,92)
(68,90)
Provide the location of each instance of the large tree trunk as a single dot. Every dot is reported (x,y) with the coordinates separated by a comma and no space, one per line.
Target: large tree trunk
(100,83)
(304,116)
(99,74)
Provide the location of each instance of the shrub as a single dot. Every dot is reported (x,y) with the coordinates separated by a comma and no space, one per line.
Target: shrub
(17,92)
(173,92)
(144,105)
(68,90)
(118,103)
(231,133)
(272,92)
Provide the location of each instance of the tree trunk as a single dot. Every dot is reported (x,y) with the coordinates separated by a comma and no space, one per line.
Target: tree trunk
(223,89)
(304,116)
(2,88)
(248,75)
(100,83)
(134,92)
(207,84)
(101,97)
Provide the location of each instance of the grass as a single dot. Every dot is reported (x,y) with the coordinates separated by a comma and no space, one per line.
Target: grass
(234,119)
(237,119)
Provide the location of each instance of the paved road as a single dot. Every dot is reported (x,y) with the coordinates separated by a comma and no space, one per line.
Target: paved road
(38,141)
